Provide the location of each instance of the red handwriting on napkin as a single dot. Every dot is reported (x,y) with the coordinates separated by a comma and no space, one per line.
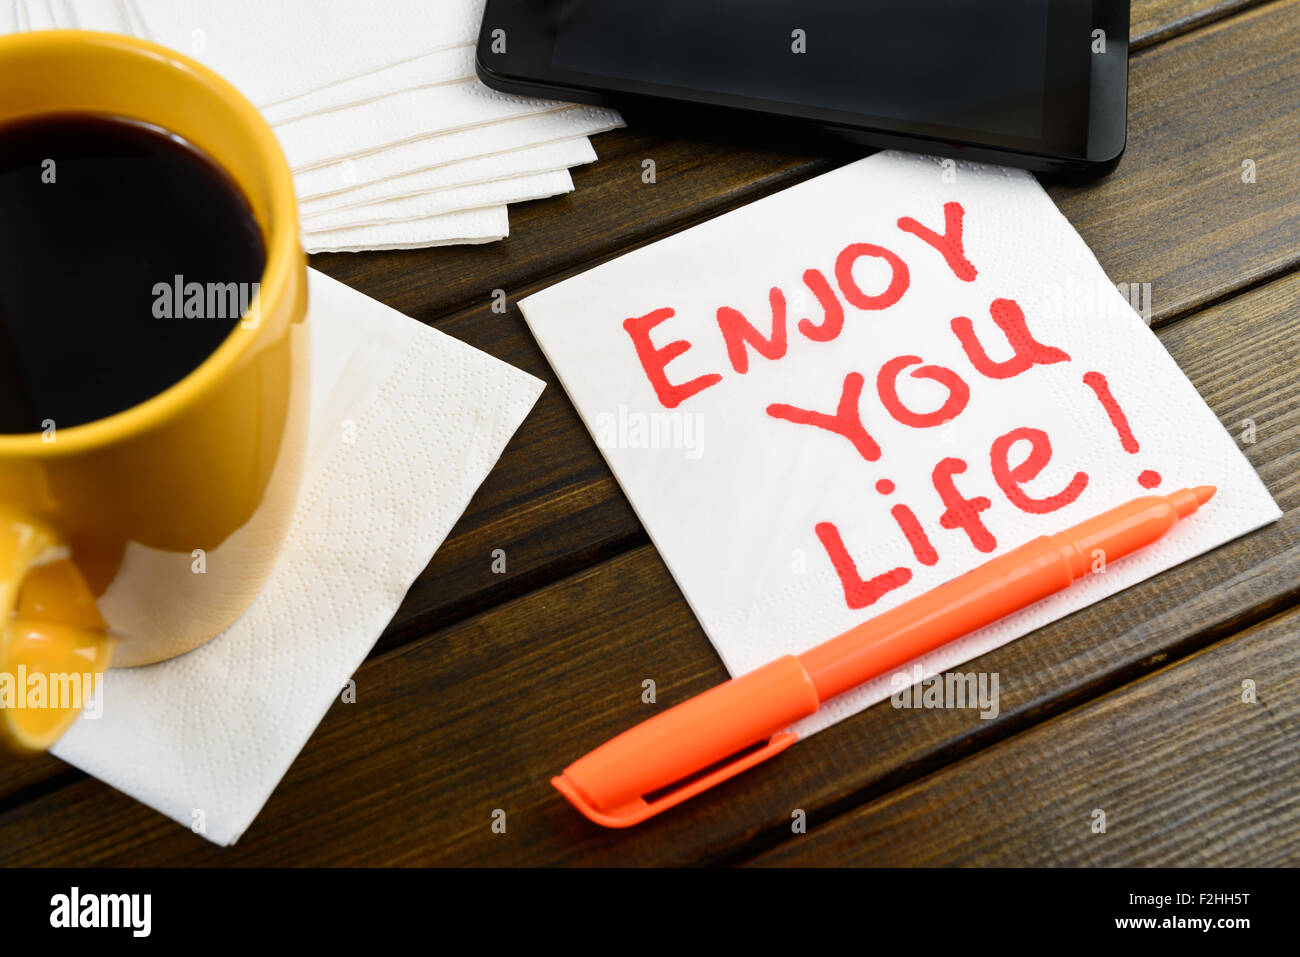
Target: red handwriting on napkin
(743,341)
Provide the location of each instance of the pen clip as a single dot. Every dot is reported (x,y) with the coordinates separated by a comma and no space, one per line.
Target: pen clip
(634,812)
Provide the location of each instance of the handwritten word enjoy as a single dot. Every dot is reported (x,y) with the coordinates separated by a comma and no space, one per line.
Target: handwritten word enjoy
(739,335)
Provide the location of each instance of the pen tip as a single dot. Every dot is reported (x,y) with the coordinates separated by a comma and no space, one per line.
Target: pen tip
(1204,493)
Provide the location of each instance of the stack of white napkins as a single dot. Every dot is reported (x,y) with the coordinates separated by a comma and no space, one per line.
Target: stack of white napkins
(393,141)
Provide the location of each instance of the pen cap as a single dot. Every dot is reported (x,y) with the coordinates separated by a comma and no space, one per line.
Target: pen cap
(1128,527)
(611,782)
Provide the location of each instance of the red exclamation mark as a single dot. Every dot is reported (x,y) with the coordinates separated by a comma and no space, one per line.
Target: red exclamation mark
(1097,382)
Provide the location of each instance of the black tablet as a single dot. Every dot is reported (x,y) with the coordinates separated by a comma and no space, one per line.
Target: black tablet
(1040,84)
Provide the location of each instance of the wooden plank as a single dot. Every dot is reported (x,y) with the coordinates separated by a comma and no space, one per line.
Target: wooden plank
(1184,771)
(1155,21)
(26,779)
(478,716)
(1176,214)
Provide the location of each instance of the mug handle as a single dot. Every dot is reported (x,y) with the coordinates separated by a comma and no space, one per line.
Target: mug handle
(54,645)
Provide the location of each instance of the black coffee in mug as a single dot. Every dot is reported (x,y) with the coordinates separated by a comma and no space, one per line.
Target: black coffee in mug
(126,258)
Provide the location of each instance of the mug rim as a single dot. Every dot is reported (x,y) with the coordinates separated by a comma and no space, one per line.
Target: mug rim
(282,257)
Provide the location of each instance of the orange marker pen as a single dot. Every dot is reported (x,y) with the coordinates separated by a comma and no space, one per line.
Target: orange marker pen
(722,732)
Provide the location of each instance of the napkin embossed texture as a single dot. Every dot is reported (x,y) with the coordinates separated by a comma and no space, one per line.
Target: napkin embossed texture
(406,423)
(1003,387)
(423,205)
(561,154)
(502,137)
(302,45)
(483,225)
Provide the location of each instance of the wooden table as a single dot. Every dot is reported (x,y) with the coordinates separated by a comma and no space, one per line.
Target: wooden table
(486,684)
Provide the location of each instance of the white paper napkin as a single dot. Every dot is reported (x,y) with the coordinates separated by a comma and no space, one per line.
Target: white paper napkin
(433,69)
(267,50)
(110,16)
(773,527)
(562,154)
(497,192)
(486,225)
(35,16)
(406,423)
(491,140)
(404,117)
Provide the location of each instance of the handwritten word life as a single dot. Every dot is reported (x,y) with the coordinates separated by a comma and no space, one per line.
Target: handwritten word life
(961,512)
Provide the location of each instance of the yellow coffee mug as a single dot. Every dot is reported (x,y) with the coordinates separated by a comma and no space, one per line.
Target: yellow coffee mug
(146,533)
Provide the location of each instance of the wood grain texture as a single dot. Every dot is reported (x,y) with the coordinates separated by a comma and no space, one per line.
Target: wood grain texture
(1155,21)
(1176,213)
(1186,773)
(478,716)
